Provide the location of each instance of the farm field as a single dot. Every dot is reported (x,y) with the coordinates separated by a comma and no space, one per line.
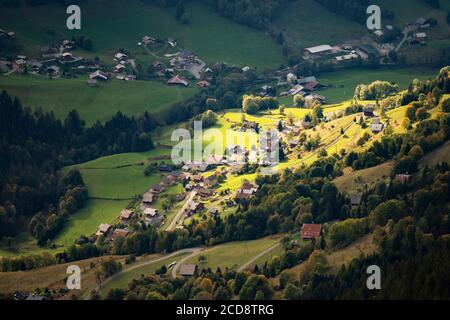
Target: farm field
(233,254)
(99,103)
(211,37)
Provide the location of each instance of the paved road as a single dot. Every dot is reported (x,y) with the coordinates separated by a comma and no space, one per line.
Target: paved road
(173,224)
(144,263)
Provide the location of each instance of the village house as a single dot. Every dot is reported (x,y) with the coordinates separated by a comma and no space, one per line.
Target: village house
(119,233)
(157,66)
(52,71)
(368,110)
(376,127)
(34,66)
(155,189)
(119,67)
(49,52)
(246,190)
(310,231)
(355,199)
(148,41)
(250,125)
(177,81)
(188,270)
(67,56)
(402,178)
(148,198)
(104,229)
(120,56)
(214,211)
(172,42)
(203,84)
(291,78)
(150,213)
(211,181)
(126,215)
(98,75)
(205,193)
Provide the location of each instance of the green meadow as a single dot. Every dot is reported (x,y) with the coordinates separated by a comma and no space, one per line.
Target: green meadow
(233,254)
(98,103)
(343,83)
(112,25)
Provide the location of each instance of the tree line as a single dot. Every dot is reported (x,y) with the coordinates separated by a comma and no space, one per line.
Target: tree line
(34,190)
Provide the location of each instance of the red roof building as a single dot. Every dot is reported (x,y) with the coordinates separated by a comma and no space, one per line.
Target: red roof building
(177,80)
(310,231)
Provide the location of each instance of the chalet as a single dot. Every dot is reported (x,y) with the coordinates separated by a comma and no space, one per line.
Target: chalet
(104,229)
(187,57)
(195,206)
(205,193)
(53,70)
(119,67)
(376,127)
(148,198)
(98,75)
(250,125)
(188,270)
(120,56)
(310,231)
(120,233)
(203,84)
(306,124)
(247,189)
(157,66)
(369,50)
(67,56)
(150,213)
(368,110)
(318,50)
(403,178)
(310,86)
(163,167)
(355,199)
(177,81)
(155,189)
(126,215)
(197,179)
(291,78)
(92,83)
(148,40)
(211,181)
(49,52)
(214,211)
(34,66)
(316,97)
(172,42)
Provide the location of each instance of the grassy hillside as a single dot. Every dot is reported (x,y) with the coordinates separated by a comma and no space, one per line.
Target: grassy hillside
(344,82)
(234,254)
(111,24)
(308,24)
(99,103)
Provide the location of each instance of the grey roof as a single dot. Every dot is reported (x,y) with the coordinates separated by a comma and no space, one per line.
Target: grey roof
(187,269)
(355,199)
